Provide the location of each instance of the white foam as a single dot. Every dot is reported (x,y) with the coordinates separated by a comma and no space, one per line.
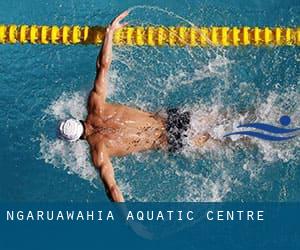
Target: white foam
(72,157)
(68,105)
(200,188)
(271,110)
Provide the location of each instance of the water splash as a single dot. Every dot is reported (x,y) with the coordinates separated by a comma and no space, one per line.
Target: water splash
(192,185)
(74,158)
(214,84)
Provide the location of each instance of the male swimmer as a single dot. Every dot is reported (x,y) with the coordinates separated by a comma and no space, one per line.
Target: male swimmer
(117,130)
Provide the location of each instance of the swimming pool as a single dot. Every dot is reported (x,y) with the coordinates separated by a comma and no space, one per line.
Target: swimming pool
(42,84)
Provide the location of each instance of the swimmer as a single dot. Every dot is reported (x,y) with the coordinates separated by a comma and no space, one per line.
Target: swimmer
(114,130)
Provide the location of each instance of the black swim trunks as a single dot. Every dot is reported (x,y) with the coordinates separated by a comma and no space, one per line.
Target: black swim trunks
(177,125)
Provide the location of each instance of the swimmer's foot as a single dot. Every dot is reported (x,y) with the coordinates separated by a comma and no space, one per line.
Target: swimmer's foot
(200,140)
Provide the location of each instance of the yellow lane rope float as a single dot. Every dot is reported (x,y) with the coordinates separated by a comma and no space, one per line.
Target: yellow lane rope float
(152,36)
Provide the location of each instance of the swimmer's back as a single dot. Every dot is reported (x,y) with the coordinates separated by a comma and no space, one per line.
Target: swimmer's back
(126,130)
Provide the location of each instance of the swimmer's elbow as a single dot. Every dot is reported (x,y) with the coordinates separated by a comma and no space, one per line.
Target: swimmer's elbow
(105,63)
(99,163)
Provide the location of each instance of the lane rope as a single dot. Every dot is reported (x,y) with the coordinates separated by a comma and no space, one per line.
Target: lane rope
(152,35)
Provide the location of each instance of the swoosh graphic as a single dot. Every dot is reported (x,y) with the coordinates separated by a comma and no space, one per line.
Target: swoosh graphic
(262,136)
(269,128)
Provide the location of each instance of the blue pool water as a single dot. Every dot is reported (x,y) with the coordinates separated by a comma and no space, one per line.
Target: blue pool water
(42,84)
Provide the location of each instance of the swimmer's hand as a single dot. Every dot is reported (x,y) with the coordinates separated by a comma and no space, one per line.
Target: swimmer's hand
(115,24)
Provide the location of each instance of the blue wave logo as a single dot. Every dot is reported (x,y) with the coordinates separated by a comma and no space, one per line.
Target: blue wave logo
(279,133)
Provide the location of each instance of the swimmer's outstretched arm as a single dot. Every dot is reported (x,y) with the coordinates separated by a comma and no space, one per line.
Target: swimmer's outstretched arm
(105,56)
(103,164)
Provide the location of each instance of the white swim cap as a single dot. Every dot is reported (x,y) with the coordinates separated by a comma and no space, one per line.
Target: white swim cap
(70,130)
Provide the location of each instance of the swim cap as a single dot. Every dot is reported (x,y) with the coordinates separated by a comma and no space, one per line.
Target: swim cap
(70,129)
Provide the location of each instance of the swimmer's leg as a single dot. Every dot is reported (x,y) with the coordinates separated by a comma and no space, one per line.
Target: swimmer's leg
(200,140)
